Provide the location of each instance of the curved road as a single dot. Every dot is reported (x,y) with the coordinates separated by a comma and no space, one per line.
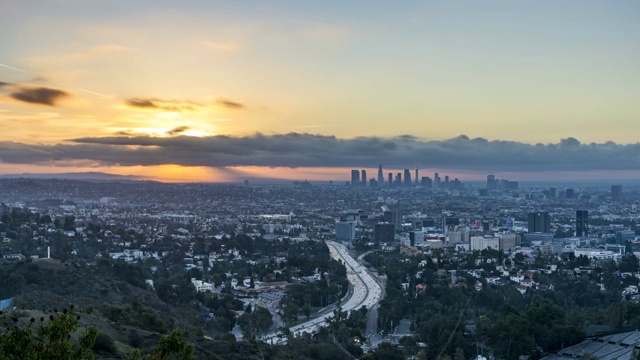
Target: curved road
(366,292)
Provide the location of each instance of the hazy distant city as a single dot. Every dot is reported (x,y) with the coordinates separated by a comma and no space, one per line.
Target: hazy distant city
(393,246)
(319,180)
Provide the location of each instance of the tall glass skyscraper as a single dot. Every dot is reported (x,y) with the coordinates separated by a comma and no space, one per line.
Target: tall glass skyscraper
(582,223)
(355,178)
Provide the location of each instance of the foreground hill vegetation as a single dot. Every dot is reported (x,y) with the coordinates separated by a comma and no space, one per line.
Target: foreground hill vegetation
(121,327)
(128,318)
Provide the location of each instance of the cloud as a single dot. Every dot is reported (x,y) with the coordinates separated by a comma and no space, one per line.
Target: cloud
(125,133)
(229,104)
(144,103)
(141,103)
(177,130)
(164,105)
(308,150)
(38,95)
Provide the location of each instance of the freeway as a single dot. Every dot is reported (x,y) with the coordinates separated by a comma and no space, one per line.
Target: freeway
(365,292)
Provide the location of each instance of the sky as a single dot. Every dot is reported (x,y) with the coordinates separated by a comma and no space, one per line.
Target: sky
(229,90)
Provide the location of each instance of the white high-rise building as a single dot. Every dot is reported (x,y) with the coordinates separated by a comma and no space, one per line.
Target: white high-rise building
(481,243)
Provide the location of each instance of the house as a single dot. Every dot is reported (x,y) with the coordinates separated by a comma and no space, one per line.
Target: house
(201,286)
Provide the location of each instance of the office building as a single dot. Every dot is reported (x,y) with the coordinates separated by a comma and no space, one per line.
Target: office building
(436,180)
(380,176)
(539,222)
(363,180)
(355,178)
(481,243)
(582,223)
(394,217)
(508,242)
(426,182)
(354,215)
(570,194)
(416,238)
(491,182)
(552,193)
(454,237)
(390,182)
(507,185)
(416,224)
(384,233)
(428,223)
(539,237)
(625,235)
(345,231)
(444,224)
(416,178)
(616,192)
(407,177)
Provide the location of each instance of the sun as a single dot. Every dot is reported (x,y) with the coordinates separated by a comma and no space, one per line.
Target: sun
(196,133)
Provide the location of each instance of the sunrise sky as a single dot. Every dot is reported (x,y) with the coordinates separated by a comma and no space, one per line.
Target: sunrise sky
(228,90)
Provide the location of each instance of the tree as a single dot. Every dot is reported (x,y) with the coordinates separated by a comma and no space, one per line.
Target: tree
(69,222)
(628,263)
(199,247)
(171,346)
(385,351)
(306,309)
(255,323)
(51,340)
(510,335)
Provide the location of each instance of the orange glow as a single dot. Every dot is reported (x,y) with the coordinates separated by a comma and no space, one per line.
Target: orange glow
(171,173)
(256,175)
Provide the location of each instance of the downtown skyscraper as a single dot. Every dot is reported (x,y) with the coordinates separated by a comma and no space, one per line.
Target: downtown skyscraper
(582,223)
(355,178)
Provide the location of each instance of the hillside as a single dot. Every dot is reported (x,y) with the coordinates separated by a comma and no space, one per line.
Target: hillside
(127,316)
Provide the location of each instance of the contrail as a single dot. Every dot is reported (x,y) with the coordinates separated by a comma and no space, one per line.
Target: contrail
(22,71)
(91,92)
(12,68)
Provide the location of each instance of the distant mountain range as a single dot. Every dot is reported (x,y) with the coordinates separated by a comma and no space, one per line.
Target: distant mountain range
(100,176)
(75,176)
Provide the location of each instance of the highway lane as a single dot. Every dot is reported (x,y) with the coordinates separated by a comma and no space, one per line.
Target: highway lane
(366,292)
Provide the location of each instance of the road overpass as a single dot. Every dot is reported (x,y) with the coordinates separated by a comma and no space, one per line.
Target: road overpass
(365,292)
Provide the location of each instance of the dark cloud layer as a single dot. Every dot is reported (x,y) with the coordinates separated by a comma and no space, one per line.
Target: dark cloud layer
(307,150)
(39,95)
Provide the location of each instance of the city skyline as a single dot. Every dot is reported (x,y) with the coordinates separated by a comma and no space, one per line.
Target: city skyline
(217,91)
